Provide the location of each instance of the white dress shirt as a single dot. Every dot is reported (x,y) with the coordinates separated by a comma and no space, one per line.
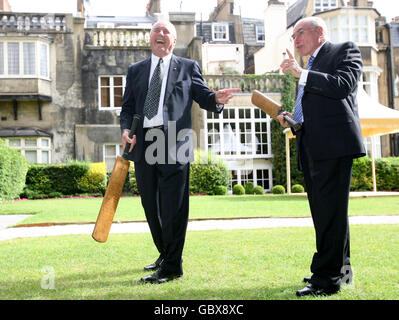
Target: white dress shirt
(304,75)
(158,119)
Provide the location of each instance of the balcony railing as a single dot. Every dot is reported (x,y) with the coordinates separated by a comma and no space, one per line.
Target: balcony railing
(247,83)
(107,38)
(32,22)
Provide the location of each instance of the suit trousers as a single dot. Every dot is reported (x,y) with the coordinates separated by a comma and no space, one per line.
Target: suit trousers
(328,186)
(164,191)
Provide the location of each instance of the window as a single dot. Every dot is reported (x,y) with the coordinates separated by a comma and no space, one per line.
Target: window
(35,150)
(323,5)
(242,132)
(220,32)
(111,89)
(24,59)
(260,33)
(111,151)
(349,28)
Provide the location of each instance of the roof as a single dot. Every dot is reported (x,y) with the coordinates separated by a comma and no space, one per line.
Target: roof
(296,12)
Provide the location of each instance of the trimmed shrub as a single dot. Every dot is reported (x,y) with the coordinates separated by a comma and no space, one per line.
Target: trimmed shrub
(220,190)
(297,188)
(258,190)
(238,189)
(279,189)
(249,188)
(95,180)
(13,169)
(62,178)
(206,173)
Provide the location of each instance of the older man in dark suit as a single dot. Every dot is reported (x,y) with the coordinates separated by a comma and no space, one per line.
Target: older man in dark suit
(161,89)
(328,142)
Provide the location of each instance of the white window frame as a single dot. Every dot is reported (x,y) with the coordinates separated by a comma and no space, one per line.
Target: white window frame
(219,137)
(349,23)
(111,91)
(118,152)
(226,32)
(21,74)
(39,148)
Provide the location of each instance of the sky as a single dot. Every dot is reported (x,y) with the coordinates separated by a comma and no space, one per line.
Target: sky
(249,8)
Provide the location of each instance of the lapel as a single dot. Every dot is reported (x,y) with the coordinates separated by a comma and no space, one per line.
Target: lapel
(144,73)
(174,69)
(323,51)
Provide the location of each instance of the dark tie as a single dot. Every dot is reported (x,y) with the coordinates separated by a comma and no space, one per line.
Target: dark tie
(298,114)
(151,103)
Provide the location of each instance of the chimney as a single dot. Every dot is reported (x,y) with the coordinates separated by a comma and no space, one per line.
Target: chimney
(153,7)
(5,6)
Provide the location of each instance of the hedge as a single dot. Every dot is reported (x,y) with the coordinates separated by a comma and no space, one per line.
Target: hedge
(207,173)
(73,178)
(13,169)
(386,170)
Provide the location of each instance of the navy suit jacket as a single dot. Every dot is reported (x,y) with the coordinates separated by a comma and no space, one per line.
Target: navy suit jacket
(184,84)
(331,119)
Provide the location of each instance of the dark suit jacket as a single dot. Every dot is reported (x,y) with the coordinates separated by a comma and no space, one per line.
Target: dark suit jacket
(184,84)
(331,119)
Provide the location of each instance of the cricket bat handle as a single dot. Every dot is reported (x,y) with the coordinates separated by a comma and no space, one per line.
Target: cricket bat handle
(297,126)
(135,123)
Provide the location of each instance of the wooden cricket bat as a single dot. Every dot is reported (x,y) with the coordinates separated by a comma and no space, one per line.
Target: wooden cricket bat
(272,108)
(114,190)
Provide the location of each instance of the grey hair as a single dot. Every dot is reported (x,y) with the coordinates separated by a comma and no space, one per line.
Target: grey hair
(315,22)
(168,25)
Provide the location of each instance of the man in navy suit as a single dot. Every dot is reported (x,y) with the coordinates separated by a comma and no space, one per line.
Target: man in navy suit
(162,146)
(329,140)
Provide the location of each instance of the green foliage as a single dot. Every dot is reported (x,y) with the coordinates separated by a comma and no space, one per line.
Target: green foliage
(238,190)
(249,188)
(44,179)
(259,190)
(278,139)
(13,168)
(132,188)
(386,170)
(221,190)
(279,189)
(206,173)
(95,180)
(297,188)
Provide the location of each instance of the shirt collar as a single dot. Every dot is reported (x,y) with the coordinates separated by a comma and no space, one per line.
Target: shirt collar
(316,52)
(166,59)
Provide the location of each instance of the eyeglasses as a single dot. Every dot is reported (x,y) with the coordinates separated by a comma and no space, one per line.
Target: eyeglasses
(300,33)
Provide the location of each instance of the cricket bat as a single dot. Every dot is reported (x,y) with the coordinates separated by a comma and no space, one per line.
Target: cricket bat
(272,108)
(114,190)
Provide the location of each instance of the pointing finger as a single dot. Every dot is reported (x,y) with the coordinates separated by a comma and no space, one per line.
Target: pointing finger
(290,54)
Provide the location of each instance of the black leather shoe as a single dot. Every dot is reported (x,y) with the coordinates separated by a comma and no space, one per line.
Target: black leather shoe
(311,289)
(160,277)
(154,266)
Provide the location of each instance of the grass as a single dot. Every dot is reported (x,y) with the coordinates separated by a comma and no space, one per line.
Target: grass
(263,264)
(129,209)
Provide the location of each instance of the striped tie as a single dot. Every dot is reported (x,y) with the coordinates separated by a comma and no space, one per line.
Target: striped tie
(298,115)
(151,103)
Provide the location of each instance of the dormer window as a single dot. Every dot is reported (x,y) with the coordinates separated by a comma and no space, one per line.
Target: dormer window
(220,32)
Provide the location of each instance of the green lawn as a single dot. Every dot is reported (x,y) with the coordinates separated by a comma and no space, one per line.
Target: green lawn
(129,209)
(263,264)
